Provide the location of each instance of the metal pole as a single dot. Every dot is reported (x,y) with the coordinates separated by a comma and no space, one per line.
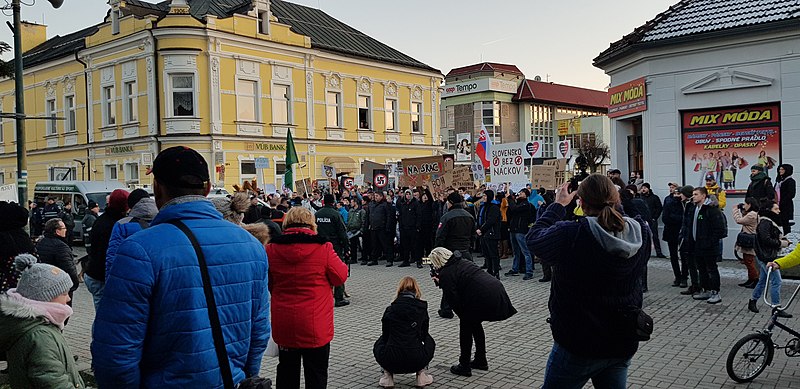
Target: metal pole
(22,163)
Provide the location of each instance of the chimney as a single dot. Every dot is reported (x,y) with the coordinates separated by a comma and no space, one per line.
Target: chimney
(32,35)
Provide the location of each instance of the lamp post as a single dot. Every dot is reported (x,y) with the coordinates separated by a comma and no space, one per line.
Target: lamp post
(19,93)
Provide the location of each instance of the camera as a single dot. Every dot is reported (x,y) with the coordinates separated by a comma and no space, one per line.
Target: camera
(434,273)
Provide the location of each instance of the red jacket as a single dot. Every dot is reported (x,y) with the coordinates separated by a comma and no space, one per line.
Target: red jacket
(302,270)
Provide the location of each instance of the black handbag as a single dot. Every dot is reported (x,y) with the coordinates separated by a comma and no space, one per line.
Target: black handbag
(746,240)
(216,328)
(644,326)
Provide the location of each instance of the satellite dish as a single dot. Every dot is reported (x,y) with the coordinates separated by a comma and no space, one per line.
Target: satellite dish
(537,78)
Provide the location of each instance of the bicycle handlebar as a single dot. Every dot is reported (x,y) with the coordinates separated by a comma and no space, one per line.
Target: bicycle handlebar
(766,292)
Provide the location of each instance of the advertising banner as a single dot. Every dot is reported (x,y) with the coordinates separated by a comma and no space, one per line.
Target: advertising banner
(628,98)
(569,126)
(464,147)
(726,142)
(507,162)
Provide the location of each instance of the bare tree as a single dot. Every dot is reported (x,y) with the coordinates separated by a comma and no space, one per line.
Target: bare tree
(596,152)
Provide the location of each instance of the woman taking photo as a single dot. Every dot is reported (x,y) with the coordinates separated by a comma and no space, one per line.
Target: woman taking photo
(769,242)
(747,216)
(405,346)
(596,293)
(302,270)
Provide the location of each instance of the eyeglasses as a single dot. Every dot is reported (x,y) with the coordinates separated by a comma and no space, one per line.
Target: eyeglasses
(62,228)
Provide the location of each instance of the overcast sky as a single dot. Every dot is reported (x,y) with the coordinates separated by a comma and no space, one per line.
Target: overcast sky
(555,39)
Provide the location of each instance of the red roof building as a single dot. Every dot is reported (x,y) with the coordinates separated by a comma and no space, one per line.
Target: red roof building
(547,92)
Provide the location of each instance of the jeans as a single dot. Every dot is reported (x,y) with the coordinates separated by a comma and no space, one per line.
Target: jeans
(95,287)
(315,367)
(469,330)
(708,271)
(520,250)
(774,283)
(568,371)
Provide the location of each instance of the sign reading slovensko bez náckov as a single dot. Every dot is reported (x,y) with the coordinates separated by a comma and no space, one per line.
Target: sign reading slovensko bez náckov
(627,98)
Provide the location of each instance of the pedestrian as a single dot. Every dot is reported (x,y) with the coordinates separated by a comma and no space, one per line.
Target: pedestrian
(32,318)
(521,216)
(381,230)
(68,218)
(715,192)
(760,186)
(616,177)
(489,225)
(331,228)
(303,269)
(410,220)
(143,210)
(593,330)
(13,241)
(685,247)
(429,225)
(405,345)
(505,245)
(785,190)
(672,216)
(655,207)
(769,242)
(253,214)
(455,233)
(746,214)
(536,198)
(475,297)
(92,212)
(356,225)
(703,227)
(95,274)
(53,250)
(156,294)
(366,240)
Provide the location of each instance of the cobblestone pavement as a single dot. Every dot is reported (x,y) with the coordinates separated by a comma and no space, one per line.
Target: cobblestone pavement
(688,349)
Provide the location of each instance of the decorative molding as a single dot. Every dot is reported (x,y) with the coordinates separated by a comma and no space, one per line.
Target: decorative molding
(283,73)
(69,85)
(364,85)
(392,137)
(52,142)
(366,136)
(281,131)
(334,134)
(182,126)
(417,139)
(109,134)
(180,62)
(727,80)
(107,75)
(416,93)
(310,103)
(250,129)
(152,108)
(129,71)
(130,130)
(50,88)
(215,98)
(71,140)
(391,89)
(89,89)
(333,81)
(247,68)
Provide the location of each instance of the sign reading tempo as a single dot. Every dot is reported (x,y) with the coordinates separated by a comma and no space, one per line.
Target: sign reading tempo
(628,98)
(479,85)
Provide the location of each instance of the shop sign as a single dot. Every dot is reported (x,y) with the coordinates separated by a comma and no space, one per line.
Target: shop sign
(627,98)
(261,146)
(726,142)
(114,150)
(569,126)
(479,85)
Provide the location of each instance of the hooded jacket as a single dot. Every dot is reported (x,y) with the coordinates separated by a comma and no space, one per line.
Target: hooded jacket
(139,218)
(786,189)
(13,241)
(152,330)
(761,188)
(53,251)
(410,214)
(596,290)
(768,237)
(38,355)
(405,345)
(456,229)
(100,237)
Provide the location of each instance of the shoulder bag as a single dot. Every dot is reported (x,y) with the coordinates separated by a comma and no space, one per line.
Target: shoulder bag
(216,328)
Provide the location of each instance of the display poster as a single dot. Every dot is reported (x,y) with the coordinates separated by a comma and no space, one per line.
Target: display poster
(464,147)
(329,172)
(507,163)
(358,180)
(569,126)
(564,149)
(367,169)
(726,142)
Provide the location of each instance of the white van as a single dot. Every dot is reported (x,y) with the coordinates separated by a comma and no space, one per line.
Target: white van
(78,193)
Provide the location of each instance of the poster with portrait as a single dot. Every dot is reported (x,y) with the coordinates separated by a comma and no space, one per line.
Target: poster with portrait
(464,147)
(725,143)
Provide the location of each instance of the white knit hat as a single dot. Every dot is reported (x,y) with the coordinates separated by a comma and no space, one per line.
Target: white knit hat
(39,281)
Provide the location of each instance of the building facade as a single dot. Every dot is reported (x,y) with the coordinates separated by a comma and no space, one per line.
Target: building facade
(229,81)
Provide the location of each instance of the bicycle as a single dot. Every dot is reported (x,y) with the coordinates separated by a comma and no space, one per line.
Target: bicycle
(759,347)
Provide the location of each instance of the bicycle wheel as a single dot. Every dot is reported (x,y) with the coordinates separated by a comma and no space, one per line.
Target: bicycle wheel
(749,357)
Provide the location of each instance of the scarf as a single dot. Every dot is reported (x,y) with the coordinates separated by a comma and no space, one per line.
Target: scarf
(54,313)
(760,176)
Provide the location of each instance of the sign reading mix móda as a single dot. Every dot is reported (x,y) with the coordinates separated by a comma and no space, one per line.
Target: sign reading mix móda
(630,97)
(507,162)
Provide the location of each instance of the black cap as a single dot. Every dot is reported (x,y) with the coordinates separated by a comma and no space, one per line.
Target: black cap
(647,185)
(92,204)
(328,199)
(137,195)
(180,167)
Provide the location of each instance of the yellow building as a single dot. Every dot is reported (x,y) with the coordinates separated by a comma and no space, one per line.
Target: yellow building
(226,77)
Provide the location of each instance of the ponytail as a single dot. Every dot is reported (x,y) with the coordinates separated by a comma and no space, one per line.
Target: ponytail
(610,219)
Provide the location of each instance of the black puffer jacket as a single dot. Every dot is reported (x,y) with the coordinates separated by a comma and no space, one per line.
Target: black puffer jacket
(54,251)
(768,237)
(100,236)
(474,294)
(379,216)
(405,345)
(672,216)
(456,230)
(520,216)
(654,206)
(788,190)
(761,188)
(710,229)
(489,219)
(13,241)
(410,214)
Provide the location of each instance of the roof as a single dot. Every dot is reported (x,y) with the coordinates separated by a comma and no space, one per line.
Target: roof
(57,47)
(329,34)
(485,67)
(199,9)
(699,18)
(548,92)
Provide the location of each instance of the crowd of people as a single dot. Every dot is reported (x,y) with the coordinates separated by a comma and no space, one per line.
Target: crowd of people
(172,274)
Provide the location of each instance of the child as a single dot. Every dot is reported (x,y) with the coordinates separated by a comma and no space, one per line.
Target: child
(405,345)
(32,317)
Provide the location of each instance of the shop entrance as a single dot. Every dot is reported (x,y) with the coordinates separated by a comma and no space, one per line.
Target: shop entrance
(629,134)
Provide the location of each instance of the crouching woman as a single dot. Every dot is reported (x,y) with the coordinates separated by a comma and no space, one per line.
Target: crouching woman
(405,346)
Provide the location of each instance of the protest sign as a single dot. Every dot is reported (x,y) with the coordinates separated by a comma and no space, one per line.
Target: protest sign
(462,177)
(440,184)
(368,167)
(506,163)
(328,172)
(358,180)
(543,176)
(303,185)
(478,173)
(9,193)
(421,170)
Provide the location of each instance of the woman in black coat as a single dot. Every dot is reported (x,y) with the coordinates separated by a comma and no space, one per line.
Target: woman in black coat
(405,346)
(475,296)
(769,242)
(13,241)
(785,190)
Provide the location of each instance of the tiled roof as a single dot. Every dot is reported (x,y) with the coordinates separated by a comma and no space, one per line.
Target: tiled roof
(197,8)
(485,67)
(695,17)
(548,92)
(329,34)
(57,47)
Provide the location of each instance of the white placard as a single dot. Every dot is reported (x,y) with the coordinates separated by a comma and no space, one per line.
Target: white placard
(478,173)
(507,162)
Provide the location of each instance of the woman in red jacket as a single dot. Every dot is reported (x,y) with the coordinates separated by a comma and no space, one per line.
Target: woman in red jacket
(302,270)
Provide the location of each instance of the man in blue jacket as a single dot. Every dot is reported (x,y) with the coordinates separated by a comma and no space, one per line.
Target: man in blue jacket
(152,328)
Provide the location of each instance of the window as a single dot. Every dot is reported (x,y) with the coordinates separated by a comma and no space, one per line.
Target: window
(543,127)
(182,95)
(416,112)
(2,178)
(109,108)
(333,105)
(247,100)
(131,106)
(263,22)
(247,168)
(390,109)
(69,109)
(363,113)
(280,168)
(50,111)
(281,104)
(132,171)
(111,172)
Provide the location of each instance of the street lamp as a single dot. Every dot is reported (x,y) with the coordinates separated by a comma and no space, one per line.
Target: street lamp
(83,167)
(22,163)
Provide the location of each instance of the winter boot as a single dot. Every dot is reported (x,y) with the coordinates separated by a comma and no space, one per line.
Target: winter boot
(690,291)
(423,379)
(751,305)
(459,369)
(479,364)
(387,381)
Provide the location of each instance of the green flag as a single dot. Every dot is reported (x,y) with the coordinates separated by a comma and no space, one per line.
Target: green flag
(291,160)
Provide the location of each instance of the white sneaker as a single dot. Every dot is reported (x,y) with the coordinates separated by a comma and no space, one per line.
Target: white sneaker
(714,299)
(387,381)
(705,295)
(423,378)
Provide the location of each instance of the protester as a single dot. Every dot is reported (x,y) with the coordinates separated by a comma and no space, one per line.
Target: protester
(760,186)
(153,314)
(68,218)
(769,241)
(303,269)
(95,274)
(505,244)
(253,214)
(672,215)
(53,250)
(356,224)
(521,216)
(588,312)
(655,207)
(429,225)
(143,211)
(366,241)
(331,228)
(405,345)
(381,230)
(410,221)
(455,233)
(13,241)
(746,215)
(785,190)
(536,198)
(475,297)
(92,212)
(703,227)
(32,317)
(688,264)
(489,225)
(715,192)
